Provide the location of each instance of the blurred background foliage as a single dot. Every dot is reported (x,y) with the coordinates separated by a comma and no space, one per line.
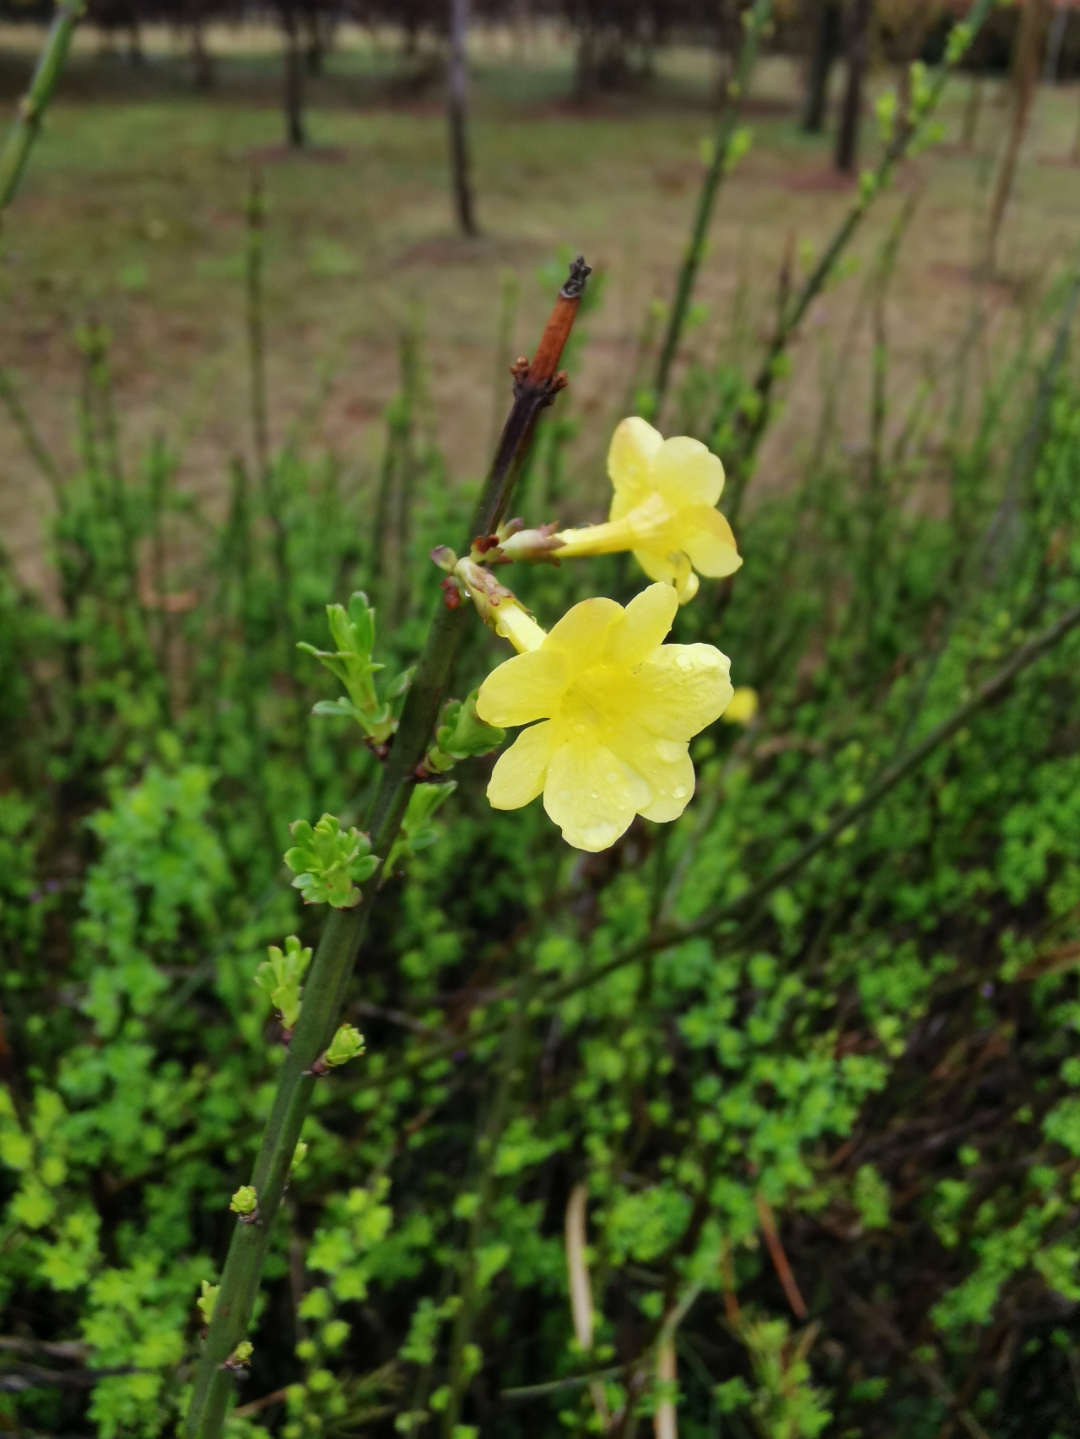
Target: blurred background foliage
(838,1138)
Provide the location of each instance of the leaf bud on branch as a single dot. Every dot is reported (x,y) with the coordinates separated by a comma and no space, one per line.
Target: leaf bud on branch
(329,863)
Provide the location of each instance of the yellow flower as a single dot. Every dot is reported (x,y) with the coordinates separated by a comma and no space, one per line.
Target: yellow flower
(618,709)
(664,509)
(743,706)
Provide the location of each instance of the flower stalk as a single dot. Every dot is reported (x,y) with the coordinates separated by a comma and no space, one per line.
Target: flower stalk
(535,387)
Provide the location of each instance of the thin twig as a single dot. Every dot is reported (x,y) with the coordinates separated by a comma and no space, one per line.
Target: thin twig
(754,23)
(925,1371)
(778,1257)
(870,186)
(554,1386)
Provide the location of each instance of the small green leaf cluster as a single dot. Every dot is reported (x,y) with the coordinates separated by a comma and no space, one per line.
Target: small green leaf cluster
(281,975)
(353,631)
(461,735)
(417,833)
(329,862)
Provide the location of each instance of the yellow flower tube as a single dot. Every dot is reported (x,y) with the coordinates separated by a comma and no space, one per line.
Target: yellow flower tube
(611,711)
(664,510)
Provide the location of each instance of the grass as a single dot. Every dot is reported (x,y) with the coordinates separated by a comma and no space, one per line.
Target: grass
(133,213)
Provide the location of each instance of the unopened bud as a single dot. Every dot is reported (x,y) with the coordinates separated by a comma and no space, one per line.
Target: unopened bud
(534,546)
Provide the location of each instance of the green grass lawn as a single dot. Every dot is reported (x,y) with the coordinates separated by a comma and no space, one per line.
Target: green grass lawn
(133,212)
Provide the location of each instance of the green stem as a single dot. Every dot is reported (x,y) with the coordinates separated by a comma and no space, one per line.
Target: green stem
(754,23)
(344,931)
(34,103)
(870,186)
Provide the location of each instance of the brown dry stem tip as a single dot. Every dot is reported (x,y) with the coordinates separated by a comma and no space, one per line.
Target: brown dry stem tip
(557,332)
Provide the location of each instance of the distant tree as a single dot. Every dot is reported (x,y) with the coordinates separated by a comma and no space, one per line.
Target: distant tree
(1026,61)
(858,58)
(457,103)
(292,74)
(824,33)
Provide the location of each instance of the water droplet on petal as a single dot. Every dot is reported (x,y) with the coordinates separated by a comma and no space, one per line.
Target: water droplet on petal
(679,792)
(594,795)
(684,662)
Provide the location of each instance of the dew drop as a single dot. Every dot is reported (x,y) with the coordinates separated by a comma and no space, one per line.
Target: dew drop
(593,795)
(684,662)
(679,792)
(663,793)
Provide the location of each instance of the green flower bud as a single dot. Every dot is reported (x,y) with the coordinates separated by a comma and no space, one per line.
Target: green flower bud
(207,1299)
(245,1201)
(346,1044)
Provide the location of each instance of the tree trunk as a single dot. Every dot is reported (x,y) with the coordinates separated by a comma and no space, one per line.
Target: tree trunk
(294,77)
(1027,52)
(972,109)
(457,114)
(825,45)
(135,50)
(201,63)
(858,57)
(1053,47)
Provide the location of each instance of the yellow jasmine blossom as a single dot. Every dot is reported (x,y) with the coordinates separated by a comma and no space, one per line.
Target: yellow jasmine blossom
(664,510)
(743,706)
(617,710)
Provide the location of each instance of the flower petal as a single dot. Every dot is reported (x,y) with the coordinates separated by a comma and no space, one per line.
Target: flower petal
(681,689)
(658,564)
(633,446)
(582,632)
(591,795)
(706,537)
(645,622)
(664,764)
(651,523)
(525,688)
(687,473)
(519,775)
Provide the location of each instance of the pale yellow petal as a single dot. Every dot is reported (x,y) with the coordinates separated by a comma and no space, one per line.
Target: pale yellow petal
(645,622)
(671,799)
(633,446)
(687,473)
(681,690)
(706,537)
(652,522)
(582,632)
(591,795)
(526,688)
(658,565)
(686,582)
(664,765)
(519,775)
